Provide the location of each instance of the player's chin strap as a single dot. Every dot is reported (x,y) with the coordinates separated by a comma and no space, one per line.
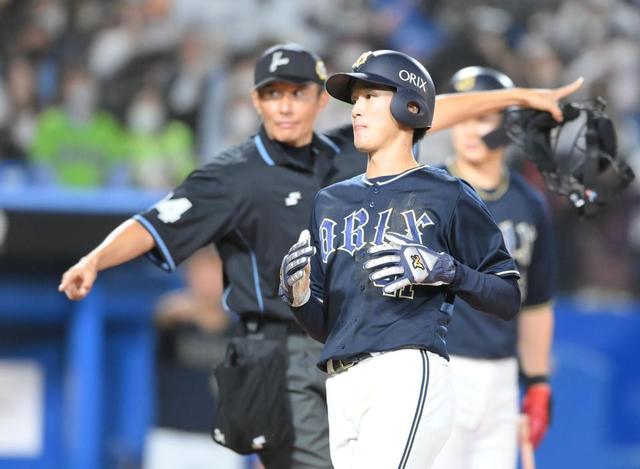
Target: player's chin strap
(593,176)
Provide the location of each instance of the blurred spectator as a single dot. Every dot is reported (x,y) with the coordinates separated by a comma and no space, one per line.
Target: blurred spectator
(141,28)
(160,151)
(193,332)
(410,26)
(191,61)
(228,115)
(18,110)
(82,145)
(543,65)
(189,81)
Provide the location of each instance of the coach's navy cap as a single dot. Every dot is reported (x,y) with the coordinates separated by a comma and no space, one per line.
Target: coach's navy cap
(291,63)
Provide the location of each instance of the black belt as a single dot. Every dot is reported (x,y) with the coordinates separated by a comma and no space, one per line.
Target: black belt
(271,328)
(338,366)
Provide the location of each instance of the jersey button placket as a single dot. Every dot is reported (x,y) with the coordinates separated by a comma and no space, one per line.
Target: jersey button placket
(375,190)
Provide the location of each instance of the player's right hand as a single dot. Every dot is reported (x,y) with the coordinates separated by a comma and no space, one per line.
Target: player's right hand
(537,406)
(295,272)
(77,282)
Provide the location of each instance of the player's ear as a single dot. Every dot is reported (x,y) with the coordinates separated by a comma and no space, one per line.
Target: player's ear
(257,104)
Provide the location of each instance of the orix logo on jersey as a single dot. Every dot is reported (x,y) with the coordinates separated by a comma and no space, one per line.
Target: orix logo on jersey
(353,230)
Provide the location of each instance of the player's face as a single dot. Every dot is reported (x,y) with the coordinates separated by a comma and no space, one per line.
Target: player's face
(289,110)
(373,123)
(467,139)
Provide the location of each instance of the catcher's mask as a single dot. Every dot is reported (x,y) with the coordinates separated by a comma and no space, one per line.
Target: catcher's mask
(577,157)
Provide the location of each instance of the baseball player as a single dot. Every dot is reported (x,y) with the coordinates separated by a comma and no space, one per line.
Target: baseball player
(375,275)
(483,350)
(252,201)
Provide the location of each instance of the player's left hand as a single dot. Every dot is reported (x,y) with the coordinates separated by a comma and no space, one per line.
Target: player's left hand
(295,272)
(408,264)
(537,406)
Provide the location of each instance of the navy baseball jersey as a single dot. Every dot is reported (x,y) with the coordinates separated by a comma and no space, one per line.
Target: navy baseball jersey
(523,217)
(252,201)
(423,205)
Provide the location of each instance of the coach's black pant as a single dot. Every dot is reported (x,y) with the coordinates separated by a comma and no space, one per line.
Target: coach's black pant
(307,395)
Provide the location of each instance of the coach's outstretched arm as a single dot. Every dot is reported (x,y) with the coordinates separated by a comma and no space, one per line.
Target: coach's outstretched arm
(454,108)
(126,242)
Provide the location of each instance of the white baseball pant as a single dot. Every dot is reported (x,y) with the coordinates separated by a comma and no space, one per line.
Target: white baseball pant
(485,426)
(393,410)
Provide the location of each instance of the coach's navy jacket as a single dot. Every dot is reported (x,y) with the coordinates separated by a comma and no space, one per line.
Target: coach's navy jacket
(252,201)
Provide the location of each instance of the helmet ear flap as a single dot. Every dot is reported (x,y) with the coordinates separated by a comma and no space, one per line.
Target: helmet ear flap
(400,103)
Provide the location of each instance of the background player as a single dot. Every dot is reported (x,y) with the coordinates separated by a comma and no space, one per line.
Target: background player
(484,365)
(253,200)
(392,245)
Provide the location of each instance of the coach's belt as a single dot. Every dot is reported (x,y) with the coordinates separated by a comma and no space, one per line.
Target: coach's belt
(338,366)
(271,328)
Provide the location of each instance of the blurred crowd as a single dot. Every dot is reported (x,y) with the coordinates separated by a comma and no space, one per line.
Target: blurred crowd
(139,92)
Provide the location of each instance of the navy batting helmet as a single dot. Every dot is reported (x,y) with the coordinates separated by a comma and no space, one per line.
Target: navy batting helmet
(478,79)
(482,79)
(410,79)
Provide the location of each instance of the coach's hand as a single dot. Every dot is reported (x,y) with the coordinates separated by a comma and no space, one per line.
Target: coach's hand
(408,264)
(77,282)
(295,272)
(537,406)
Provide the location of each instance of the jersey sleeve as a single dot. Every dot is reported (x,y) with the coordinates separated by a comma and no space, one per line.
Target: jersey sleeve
(203,209)
(542,270)
(475,239)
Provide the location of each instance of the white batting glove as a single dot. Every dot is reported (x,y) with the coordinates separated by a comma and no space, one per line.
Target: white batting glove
(408,264)
(295,272)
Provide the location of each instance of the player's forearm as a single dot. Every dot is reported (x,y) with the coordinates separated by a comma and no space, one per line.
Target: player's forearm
(454,108)
(126,242)
(487,292)
(535,334)
(311,316)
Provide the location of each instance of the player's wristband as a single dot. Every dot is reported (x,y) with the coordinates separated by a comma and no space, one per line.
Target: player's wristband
(535,379)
